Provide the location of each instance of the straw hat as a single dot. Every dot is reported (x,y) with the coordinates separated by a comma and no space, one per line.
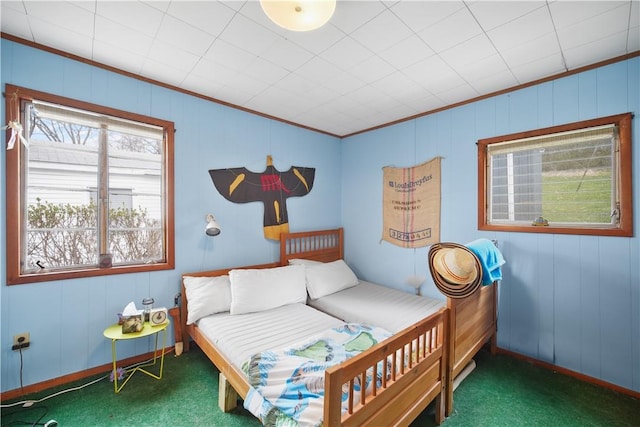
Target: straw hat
(456,270)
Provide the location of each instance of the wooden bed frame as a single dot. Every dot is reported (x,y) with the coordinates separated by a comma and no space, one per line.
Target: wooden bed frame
(473,320)
(405,392)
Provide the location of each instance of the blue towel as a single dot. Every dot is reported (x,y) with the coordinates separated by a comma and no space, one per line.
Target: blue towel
(490,258)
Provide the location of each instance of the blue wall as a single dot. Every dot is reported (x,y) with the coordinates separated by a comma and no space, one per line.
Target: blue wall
(569,300)
(573,301)
(66,318)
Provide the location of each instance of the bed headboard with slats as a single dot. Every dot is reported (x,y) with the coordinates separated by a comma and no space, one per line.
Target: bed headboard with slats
(321,245)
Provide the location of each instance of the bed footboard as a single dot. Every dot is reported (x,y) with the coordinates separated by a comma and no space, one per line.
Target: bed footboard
(473,324)
(405,389)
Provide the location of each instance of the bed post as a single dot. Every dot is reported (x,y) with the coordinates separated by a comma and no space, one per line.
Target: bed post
(451,359)
(227,396)
(472,324)
(183,317)
(443,397)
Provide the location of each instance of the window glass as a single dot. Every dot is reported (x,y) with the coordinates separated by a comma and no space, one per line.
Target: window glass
(568,179)
(95,191)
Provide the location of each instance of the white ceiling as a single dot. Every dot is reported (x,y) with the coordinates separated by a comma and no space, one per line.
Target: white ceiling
(376,62)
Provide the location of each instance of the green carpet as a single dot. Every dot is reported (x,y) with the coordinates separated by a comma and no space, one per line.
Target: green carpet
(501,391)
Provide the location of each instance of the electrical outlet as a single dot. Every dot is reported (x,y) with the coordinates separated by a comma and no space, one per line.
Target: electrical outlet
(21,341)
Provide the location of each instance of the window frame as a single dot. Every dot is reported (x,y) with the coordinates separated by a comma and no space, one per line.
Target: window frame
(16,203)
(624,179)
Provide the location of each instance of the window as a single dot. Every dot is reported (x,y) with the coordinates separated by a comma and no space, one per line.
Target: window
(90,193)
(569,179)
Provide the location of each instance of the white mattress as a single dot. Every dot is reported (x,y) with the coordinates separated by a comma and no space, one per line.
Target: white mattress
(389,308)
(242,335)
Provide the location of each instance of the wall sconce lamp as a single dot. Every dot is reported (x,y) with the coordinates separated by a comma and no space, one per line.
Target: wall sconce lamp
(299,15)
(213,228)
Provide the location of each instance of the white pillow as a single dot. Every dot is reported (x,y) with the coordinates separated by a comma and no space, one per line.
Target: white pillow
(328,278)
(306,262)
(206,295)
(265,288)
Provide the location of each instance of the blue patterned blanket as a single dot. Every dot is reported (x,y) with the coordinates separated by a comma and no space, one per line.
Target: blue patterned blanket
(287,385)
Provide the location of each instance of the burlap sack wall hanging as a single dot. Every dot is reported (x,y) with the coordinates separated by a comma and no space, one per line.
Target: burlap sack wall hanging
(411,204)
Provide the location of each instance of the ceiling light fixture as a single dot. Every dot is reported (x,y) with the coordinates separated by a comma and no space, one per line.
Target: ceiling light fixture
(300,15)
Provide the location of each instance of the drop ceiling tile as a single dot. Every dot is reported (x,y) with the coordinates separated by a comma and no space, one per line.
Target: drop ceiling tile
(351,15)
(468,52)
(392,113)
(419,15)
(287,54)
(493,82)
(454,29)
(208,16)
(522,30)
(433,74)
(634,15)
(381,32)
(161,5)
(61,38)
(90,5)
(406,52)
(205,85)
(483,68)
(252,10)
(163,53)
(531,50)
(592,29)
(15,22)
(274,101)
(234,95)
(318,70)
(425,102)
(247,83)
(320,95)
(182,35)
(371,96)
(346,105)
(266,71)
(566,14)
(16,6)
(136,16)
(396,85)
(346,53)
(295,83)
(633,40)
(163,72)
(539,68)
(62,15)
(107,53)
(214,71)
(343,83)
(492,14)
(113,33)
(454,94)
(228,55)
(245,34)
(372,69)
(589,53)
(316,41)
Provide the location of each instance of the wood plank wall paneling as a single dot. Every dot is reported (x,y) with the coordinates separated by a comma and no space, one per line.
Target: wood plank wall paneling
(569,301)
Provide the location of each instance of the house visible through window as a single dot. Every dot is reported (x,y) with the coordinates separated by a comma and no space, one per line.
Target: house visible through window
(573,179)
(93,183)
